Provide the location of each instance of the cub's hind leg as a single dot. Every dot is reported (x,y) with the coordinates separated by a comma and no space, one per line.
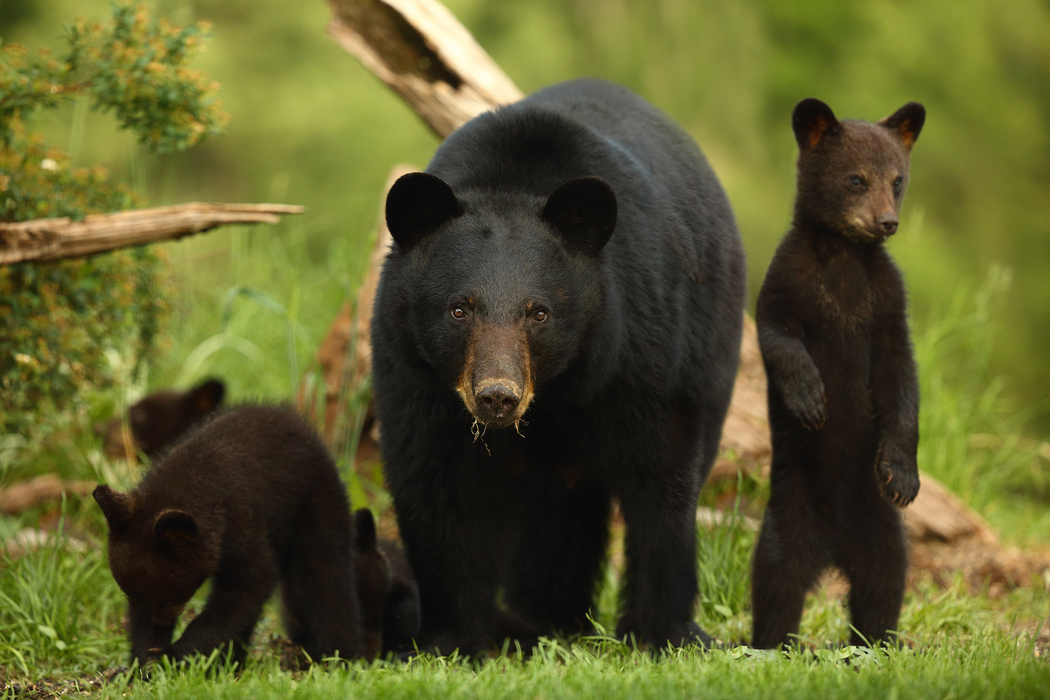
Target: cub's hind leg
(790,556)
(874,557)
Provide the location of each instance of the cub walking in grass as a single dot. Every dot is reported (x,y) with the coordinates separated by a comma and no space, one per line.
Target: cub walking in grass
(843,393)
(250,499)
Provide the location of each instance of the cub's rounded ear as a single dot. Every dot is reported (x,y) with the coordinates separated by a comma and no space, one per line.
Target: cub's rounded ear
(583,211)
(206,397)
(119,508)
(175,531)
(364,531)
(906,123)
(417,204)
(811,121)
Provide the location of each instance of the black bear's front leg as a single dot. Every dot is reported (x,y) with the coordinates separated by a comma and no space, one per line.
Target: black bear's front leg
(556,564)
(895,396)
(148,639)
(661,582)
(791,370)
(453,540)
(239,589)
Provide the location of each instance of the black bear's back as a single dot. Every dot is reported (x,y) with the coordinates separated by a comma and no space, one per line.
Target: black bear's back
(255,460)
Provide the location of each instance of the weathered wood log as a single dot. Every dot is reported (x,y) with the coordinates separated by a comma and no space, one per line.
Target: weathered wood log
(47,487)
(51,239)
(425,55)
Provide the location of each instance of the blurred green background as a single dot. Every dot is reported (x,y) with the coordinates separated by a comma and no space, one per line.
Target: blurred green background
(311,126)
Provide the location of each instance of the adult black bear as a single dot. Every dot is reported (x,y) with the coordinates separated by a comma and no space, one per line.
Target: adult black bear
(161,418)
(250,499)
(843,394)
(571,268)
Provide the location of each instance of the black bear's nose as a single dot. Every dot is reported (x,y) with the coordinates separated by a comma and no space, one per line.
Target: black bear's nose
(887,222)
(497,400)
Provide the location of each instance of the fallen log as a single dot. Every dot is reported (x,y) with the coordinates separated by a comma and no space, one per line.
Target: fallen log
(40,240)
(47,487)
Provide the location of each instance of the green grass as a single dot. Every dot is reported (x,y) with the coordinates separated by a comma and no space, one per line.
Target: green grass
(252,309)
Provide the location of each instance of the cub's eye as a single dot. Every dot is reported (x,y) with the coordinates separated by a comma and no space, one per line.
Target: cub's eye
(856,181)
(898,182)
(539,315)
(459,313)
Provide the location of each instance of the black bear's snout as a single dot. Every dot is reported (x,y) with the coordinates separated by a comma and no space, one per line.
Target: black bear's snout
(887,223)
(497,401)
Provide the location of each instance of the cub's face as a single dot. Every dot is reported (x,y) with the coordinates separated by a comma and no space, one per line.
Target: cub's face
(160,419)
(158,559)
(505,289)
(852,175)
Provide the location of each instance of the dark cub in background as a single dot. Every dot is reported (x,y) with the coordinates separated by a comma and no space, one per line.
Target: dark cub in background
(843,393)
(250,499)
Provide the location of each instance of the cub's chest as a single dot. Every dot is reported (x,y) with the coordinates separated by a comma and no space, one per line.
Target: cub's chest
(843,293)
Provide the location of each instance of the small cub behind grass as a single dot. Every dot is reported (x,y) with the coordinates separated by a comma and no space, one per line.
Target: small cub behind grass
(843,393)
(250,499)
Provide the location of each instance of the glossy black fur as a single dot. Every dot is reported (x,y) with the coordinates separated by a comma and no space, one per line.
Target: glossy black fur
(843,393)
(250,499)
(632,366)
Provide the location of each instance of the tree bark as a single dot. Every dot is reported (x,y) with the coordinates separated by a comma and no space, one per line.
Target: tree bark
(420,50)
(40,240)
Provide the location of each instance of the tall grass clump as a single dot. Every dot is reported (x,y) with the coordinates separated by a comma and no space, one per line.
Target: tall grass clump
(969,437)
(59,608)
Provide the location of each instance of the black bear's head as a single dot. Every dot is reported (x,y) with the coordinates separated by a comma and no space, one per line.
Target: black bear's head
(504,286)
(161,418)
(852,174)
(159,557)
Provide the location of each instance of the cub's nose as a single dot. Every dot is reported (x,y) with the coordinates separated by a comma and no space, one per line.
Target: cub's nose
(497,401)
(887,223)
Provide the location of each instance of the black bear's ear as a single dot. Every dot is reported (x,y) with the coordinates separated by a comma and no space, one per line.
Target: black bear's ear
(119,508)
(906,123)
(364,531)
(584,212)
(206,397)
(417,204)
(175,531)
(811,121)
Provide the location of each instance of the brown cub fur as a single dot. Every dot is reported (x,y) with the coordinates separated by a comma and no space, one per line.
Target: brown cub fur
(386,590)
(250,499)
(843,393)
(161,418)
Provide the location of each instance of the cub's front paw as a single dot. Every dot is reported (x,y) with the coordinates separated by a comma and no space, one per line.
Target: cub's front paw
(898,477)
(807,402)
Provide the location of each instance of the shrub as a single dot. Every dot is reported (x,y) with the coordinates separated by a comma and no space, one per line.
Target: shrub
(59,319)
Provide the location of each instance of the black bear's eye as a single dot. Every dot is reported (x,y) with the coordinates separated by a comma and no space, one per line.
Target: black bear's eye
(856,181)
(897,183)
(539,315)
(459,313)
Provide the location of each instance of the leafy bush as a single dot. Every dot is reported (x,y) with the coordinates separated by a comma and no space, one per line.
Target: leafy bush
(59,319)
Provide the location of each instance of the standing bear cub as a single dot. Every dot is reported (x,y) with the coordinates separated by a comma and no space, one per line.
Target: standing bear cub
(843,394)
(557,325)
(250,499)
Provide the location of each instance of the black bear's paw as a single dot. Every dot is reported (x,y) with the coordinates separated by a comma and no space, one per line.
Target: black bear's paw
(898,477)
(807,402)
